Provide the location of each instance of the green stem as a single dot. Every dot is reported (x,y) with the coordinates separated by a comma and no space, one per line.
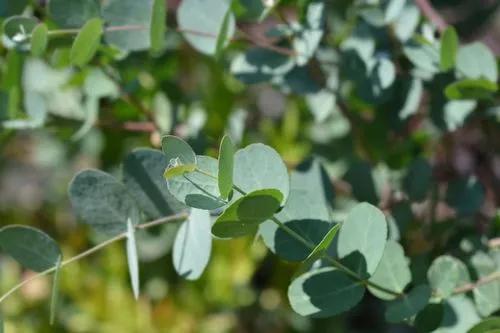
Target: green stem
(163,220)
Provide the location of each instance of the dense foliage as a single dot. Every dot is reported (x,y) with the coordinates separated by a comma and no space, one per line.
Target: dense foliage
(374,202)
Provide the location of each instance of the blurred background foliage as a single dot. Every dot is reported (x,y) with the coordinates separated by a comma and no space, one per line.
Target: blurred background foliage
(367,150)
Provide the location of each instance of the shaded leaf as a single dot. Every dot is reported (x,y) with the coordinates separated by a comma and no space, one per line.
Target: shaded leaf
(465,195)
(30,247)
(430,317)
(244,215)
(418,179)
(102,202)
(324,292)
(471,89)
(409,305)
(392,273)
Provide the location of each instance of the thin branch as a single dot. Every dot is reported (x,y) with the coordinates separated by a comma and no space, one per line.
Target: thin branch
(482,281)
(432,14)
(163,220)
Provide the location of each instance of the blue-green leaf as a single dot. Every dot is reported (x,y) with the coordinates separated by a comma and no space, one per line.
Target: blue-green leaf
(409,305)
(200,22)
(30,247)
(102,202)
(132,258)
(193,245)
(362,239)
(324,292)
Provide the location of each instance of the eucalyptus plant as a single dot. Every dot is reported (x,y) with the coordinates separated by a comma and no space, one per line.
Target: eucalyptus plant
(373,70)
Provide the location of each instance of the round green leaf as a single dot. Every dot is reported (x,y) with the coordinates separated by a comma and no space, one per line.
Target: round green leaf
(30,247)
(362,239)
(393,271)
(16,31)
(200,22)
(39,40)
(244,215)
(73,13)
(324,292)
(409,305)
(196,189)
(177,150)
(459,315)
(257,167)
(445,274)
(102,202)
(86,42)
(476,61)
(132,13)
(193,245)
(226,167)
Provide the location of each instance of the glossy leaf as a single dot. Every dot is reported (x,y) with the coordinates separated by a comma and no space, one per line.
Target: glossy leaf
(193,245)
(102,202)
(39,40)
(86,42)
(409,305)
(362,239)
(244,215)
(392,273)
(226,167)
(30,247)
(449,47)
(324,292)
